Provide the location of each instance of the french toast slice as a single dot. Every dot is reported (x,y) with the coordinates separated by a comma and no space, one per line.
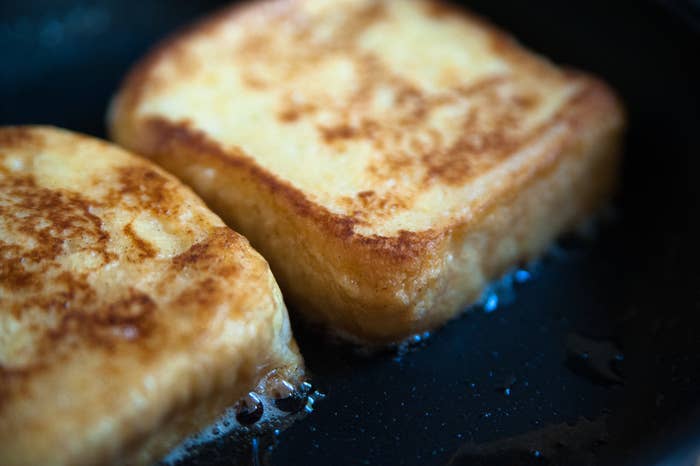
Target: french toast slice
(130,315)
(388,157)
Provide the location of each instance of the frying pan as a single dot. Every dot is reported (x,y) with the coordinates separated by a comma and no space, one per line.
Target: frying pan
(597,358)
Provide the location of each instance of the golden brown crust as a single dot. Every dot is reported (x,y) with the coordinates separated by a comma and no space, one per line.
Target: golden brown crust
(124,302)
(376,274)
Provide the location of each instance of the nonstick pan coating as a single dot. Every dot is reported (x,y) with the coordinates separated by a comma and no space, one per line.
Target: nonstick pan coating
(597,361)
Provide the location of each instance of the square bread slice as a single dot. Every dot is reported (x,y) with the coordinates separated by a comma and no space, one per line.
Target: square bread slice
(388,157)
(130,315)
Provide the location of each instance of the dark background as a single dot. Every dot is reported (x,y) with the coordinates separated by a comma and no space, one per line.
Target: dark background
(634,290)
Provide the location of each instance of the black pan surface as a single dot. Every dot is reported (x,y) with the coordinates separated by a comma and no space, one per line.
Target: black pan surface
(597,361)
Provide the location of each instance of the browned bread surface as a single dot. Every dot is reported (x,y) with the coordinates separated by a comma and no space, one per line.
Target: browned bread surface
(387,157)
(130,315)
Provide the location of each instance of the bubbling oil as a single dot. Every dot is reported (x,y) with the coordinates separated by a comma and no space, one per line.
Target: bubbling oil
(254,416)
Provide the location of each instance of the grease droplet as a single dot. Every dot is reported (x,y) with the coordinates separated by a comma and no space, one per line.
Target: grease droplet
(249,409)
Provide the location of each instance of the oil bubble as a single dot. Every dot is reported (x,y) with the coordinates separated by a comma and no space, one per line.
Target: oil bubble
(249,410)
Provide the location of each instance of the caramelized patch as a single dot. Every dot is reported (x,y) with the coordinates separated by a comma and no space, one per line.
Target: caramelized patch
(292,108)
(143,188)
(440,9)
(203,293)
(254,82)
(44,229)
(368,205)
(19,136)
(69,291)
(205,256)
(53,241)
(144,248)
(406,245)
(208,252)
(366,129)
(11,380)
(334,133)
(50,223)
(12,271)
(124,320)
(83,320)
